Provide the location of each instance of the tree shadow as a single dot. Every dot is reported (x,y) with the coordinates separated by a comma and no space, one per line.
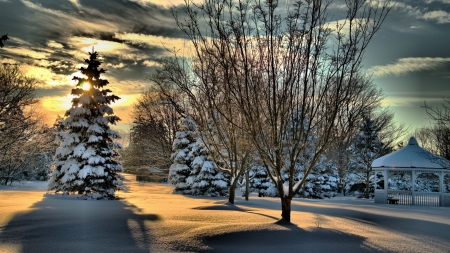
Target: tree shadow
(420,229)
(282,237)
(416,227)
(290,239)
(67,224)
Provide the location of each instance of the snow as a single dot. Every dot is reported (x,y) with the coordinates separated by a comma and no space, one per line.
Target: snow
(149,218)
(410,156)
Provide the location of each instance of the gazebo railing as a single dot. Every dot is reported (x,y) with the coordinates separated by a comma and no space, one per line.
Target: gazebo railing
(420,198)
(404,197)
(427,198)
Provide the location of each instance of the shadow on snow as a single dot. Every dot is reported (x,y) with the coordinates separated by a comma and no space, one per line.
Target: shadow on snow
(67,224)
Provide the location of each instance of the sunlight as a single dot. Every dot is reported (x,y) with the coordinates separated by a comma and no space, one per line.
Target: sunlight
(86,86)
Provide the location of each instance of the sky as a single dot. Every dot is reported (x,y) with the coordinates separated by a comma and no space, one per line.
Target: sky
(409,58)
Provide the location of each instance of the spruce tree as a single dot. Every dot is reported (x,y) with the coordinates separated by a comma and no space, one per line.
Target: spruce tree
(181,169)
(86,160)
(3,38)
(366,148)
(206,177)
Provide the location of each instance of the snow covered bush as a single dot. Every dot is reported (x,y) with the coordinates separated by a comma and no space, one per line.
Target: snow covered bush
(427,182)
(400,181)
(446,183)
(86,160)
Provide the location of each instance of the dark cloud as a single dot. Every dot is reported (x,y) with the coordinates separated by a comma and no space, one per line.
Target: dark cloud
(58,91)
(413,29)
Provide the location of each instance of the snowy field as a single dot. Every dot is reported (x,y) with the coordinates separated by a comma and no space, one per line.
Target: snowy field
(151,219)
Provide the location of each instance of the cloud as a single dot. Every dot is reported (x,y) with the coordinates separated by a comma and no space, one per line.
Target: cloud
(440,16)
(28,52)
(65,23)
(156,41)
(116,66)
(438,1)
(423,13)
(54,44)
(150,63)
(76,3)
(165,3)
(406,65)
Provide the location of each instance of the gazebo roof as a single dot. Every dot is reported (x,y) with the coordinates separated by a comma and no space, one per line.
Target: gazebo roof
(410,156)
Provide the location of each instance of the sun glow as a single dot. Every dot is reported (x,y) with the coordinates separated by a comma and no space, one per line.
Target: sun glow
(86,86)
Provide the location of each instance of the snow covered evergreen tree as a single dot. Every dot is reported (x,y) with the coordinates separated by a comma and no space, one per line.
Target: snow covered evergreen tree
(366,148)
(259,181)
(193,171)
(206,178)
(86,160)
(181,168)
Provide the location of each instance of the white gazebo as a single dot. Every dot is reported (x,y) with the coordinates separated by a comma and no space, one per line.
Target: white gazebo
(411,176)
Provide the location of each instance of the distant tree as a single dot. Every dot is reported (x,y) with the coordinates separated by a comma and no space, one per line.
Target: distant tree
(367,147)
(388,131)
(86,161)
(155,122)
(435,138)
(259,182)
(17,100)
(439,115)
(29,158)
(3,38)
(19,123)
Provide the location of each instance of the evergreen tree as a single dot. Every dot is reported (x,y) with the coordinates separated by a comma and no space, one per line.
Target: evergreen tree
(86,160)
(3,38)
(206,178)
(181,168)
(259,181)
(366,148)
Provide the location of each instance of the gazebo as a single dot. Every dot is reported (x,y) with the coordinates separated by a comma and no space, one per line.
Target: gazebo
(411,176)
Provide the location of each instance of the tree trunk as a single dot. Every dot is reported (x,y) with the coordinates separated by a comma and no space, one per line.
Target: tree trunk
(232,193)
(367,185)
(246,184)
(286,208)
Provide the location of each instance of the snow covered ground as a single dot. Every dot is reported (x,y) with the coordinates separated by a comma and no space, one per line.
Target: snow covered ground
(151,219)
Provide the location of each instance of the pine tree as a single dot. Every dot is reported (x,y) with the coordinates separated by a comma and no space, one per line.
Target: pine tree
(366,148)
(259,181)
(206,178)
(86,160)
(3,38)
(181,168)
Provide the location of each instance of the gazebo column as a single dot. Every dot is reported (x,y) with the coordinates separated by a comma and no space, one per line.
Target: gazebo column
(413,187)
(381,194)
(441,188)
(386,184)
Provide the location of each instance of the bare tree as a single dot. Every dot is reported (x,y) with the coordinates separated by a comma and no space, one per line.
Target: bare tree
(435,139)
(155,122)
(17,94)
(440,130)
(275,64)
(31,153)
(213,109)
(366,98)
